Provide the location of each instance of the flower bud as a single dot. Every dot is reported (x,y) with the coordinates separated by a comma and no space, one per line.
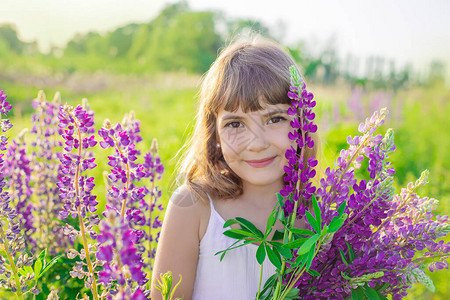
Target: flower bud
(154,147)
(107,124)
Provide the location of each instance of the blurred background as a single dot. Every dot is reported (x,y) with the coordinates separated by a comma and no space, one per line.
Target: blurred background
(149,56)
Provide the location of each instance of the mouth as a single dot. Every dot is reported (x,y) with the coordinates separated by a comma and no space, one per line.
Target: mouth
(260,163)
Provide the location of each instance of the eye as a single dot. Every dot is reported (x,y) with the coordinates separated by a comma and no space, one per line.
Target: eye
(234,124)
(277,119)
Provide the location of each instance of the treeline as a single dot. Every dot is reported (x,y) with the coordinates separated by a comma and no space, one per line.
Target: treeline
(180,39)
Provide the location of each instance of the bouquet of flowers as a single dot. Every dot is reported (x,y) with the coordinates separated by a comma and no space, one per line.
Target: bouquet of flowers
(361,240)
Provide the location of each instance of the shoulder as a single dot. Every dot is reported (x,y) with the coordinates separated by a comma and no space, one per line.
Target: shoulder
(185,197)
(187,208)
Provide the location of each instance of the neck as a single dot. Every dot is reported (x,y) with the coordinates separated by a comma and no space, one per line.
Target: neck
(263,196)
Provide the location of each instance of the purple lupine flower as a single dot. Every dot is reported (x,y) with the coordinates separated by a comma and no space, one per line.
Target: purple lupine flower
(76,191)
(299,170)
(117,249)
(75,187)
(125,194)
(11,237)
(5,107)
(18,170)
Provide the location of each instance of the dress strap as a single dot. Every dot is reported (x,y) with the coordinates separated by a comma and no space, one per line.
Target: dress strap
(214,213)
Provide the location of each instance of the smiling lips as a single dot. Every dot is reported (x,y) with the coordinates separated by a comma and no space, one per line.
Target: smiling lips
(261,162)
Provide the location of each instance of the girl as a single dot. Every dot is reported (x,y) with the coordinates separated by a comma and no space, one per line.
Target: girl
(233,167)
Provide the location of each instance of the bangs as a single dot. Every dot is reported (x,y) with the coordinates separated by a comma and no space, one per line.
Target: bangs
(249,85)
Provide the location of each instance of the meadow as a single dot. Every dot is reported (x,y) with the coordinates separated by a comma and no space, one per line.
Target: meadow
(166,105)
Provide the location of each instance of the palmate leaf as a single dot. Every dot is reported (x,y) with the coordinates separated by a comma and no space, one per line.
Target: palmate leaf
(370,293)
(310,257)
(278,235)
(239,234)
(357,294)
(270,283)
(302,231)
(245,224)
(283,251)
(344,259)
(313,272)
(295,244)
(351,254)
(229,222)
(335,224)
(261,254)
(308,244)
(274,256)
(231,247)
(341,208)
(317,212)
(271,221)
(312,221)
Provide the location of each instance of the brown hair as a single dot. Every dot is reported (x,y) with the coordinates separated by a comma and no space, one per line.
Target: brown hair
(244,73)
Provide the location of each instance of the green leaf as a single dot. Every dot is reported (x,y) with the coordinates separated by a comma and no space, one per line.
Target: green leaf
(249,225)
(280,199)
(312,221)
(278,235)
(271,221)
(229,222)
(270,282)
(317,212)
(281,217)
(292,293)
(238,234)
(50,264)
(381,296)
(261,254)
(295,244)
(343,257)
(28,269)
(308,244)
(310,258)
(341,208)
(313,272)
(274,257)
(38,267)
(302,231)
(351,254)
(23,272)
(229,248)
(335,224)
(383,287)
(370,293)
(42,255)
(357,294)
(283,251)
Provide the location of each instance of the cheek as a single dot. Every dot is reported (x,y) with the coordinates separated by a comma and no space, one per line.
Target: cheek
(234,141)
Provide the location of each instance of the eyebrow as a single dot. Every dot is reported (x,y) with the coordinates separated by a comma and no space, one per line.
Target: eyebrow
(266,115)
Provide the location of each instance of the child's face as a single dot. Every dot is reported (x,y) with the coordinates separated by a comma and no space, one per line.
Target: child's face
(254,143)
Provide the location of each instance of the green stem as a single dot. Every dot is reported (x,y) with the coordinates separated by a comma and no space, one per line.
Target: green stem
(260,280)
(298,275)
(88,258)
(80,220)
(420,259)
(11,263)
(292,217)
(127,184)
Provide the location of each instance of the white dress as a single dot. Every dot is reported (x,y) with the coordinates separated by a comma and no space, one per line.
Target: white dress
(236,277)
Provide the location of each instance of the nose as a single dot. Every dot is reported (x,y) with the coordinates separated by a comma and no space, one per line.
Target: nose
(258,140)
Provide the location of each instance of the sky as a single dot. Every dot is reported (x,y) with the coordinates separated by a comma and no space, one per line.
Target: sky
(416,31)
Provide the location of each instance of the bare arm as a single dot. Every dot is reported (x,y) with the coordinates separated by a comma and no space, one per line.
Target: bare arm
(178,244)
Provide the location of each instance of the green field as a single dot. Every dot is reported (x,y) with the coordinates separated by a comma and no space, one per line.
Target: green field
(166,105)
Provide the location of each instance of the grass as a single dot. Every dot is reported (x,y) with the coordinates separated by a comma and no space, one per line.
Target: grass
(166,105)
